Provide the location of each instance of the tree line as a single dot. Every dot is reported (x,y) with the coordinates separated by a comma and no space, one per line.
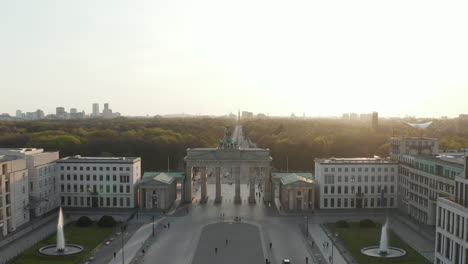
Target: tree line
(295,143)
(153,139)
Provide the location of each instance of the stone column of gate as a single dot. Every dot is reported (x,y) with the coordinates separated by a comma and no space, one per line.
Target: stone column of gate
(267,181)
(203,184)
(187,193)
(218,197)
(236,172)
(252,185)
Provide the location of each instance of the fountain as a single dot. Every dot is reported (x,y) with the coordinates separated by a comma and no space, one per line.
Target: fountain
(383,250)
(60,249)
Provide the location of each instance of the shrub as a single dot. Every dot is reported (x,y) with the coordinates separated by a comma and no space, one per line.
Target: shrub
(366,223)
(107,221)
(342,224)
(84,221)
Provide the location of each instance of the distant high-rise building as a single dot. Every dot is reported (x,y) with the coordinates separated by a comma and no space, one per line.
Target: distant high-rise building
(19,114)
(95,109)
(107,113)
(375,120)
(73,111)
(39,114)
(60,112)
(247,115)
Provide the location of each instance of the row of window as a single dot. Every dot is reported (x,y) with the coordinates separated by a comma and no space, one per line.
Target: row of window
(94,188)
(450,249)
(88,168)
(453,223)
(95,201)
(358,189)
(330,178)
(365,203)
(359,169)
(122,178)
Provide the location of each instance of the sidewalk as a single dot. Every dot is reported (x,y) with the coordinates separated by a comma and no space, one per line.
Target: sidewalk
(320,239)
(419,240)
(133,246)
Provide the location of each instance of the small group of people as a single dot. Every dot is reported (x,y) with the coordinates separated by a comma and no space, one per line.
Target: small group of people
(325,244)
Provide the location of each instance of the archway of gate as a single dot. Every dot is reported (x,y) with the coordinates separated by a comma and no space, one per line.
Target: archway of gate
(229,165)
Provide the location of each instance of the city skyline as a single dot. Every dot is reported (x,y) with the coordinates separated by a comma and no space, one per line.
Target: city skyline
(214,57)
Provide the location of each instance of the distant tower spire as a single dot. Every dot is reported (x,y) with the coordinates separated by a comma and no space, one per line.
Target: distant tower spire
(238,115)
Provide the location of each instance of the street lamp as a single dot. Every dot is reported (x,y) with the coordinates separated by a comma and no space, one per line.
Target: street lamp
(153,225)
(307,225)
(123,256)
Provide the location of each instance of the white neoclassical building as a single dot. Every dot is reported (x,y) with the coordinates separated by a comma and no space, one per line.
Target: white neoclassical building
(13,193)
(98,181)
(356,182)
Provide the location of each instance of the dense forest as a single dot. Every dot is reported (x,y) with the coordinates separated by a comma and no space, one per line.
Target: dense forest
(299,141)
(153,139)
(156,139)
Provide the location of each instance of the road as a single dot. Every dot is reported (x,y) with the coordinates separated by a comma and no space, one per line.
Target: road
(178,245)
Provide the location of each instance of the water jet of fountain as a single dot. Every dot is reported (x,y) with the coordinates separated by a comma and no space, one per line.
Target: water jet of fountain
(383,247)
(60,235)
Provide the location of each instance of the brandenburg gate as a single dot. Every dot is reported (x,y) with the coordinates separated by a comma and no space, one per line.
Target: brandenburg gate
(240,162)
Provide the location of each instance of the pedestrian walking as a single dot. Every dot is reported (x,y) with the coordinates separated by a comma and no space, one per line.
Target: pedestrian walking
(143,251)
(307,260)
(266,261)
(226,241)
(216,250)
(114,254)
(271,245)
(168,225)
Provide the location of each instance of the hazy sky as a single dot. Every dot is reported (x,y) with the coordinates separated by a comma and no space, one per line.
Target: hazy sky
(213,57)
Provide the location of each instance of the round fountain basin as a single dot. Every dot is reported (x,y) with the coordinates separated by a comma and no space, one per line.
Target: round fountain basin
(392,252)
(70,249)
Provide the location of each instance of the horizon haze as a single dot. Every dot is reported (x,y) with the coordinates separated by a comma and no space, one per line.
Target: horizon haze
(213,57)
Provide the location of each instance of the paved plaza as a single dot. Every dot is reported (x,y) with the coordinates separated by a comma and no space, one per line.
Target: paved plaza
(229,243)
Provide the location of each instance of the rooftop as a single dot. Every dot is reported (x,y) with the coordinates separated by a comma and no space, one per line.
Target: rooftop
(80,159)
(375,160)
(4,158)
(24,151)
(164,177)
(287,178)
(413,138)
(453,161)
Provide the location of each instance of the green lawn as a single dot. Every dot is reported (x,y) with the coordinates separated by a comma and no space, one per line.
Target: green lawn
(88,237)
(355,238)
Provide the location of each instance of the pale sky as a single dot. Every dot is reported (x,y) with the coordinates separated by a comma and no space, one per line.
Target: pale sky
(214,57)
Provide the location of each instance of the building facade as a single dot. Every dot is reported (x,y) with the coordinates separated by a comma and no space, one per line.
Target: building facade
(421,180)
(356,183)
(400,146)
(451,241)
(108,182)
(43,193)
(13,193)
(158,190)
(296,191)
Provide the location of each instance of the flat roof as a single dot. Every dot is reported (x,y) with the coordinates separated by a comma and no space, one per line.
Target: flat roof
(413,138)
(445,160)
(80,159)
(356,161)
(4,158)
